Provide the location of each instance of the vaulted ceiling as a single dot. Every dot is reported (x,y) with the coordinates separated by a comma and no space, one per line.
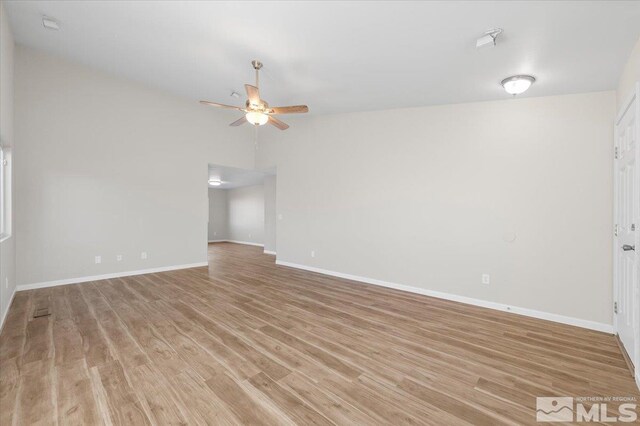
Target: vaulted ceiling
(341,56)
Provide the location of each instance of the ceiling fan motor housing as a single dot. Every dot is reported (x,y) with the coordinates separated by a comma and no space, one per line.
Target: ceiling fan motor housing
(263,107)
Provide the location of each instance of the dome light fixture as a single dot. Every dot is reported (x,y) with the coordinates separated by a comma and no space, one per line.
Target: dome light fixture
(517,84)
(215,182)
(257,118)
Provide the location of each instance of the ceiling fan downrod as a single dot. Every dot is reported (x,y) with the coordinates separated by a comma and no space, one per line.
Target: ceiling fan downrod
(256,66)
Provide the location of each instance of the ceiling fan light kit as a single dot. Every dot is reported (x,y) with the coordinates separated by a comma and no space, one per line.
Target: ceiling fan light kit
(257,118)
(257,111)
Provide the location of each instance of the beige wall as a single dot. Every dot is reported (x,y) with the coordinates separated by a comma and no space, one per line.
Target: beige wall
(246,214)
(431,198)
(218,220)
(107,166)
(270,213)
(630,75)
(7,247)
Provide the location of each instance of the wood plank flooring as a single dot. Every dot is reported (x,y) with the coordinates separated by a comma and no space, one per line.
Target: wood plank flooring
(248,342)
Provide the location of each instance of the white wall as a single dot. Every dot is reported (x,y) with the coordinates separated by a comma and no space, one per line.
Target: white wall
(270,213)
(430,197)
(7,247)
(630,75)
(246,214)
(426,197)
(108,166)
(218,218)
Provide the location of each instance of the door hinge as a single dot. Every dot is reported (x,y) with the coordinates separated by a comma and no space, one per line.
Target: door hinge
(633,226)
(616,153)
(615,229)
(615,307)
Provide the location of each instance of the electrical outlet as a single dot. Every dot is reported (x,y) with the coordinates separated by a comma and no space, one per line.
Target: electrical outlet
(280,216)
(249,236)
(6,282)
(119,257)
(313,253)
(143,255)
(98,259)
(486,279)
(215,233)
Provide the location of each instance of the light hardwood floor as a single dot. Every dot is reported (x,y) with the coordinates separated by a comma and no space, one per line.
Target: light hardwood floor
(249,342)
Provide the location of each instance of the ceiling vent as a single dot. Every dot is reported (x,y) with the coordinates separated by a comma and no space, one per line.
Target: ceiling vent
(489,38)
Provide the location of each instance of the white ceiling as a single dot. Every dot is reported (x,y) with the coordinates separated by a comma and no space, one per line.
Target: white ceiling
(341,56)
(232,177)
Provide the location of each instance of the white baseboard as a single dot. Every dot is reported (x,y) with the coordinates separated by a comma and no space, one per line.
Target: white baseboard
(246,243)
(238,242)
(4,316)
(270,252)
(592,325)
(23,287)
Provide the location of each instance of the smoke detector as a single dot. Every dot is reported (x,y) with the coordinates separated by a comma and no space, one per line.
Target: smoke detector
(50,23)
(489,38)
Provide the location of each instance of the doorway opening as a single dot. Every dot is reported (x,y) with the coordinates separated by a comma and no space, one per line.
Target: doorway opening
(242,208)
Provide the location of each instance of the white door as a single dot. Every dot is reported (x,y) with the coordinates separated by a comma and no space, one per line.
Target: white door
(627,226)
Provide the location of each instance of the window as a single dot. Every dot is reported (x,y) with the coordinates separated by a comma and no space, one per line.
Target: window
(5,193)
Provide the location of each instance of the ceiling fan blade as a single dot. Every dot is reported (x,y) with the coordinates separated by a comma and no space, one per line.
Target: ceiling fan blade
(215,104)
(279,124)
(253,93)
(239,121)
(294,109)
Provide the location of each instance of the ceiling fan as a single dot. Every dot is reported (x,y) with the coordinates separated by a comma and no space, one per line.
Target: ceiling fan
(257,111)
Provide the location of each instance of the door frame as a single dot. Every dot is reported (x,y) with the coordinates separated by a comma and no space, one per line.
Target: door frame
(634,96)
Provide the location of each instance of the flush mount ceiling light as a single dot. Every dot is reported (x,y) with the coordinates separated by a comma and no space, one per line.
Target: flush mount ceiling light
(215,182)
(517,84)
(50,23)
